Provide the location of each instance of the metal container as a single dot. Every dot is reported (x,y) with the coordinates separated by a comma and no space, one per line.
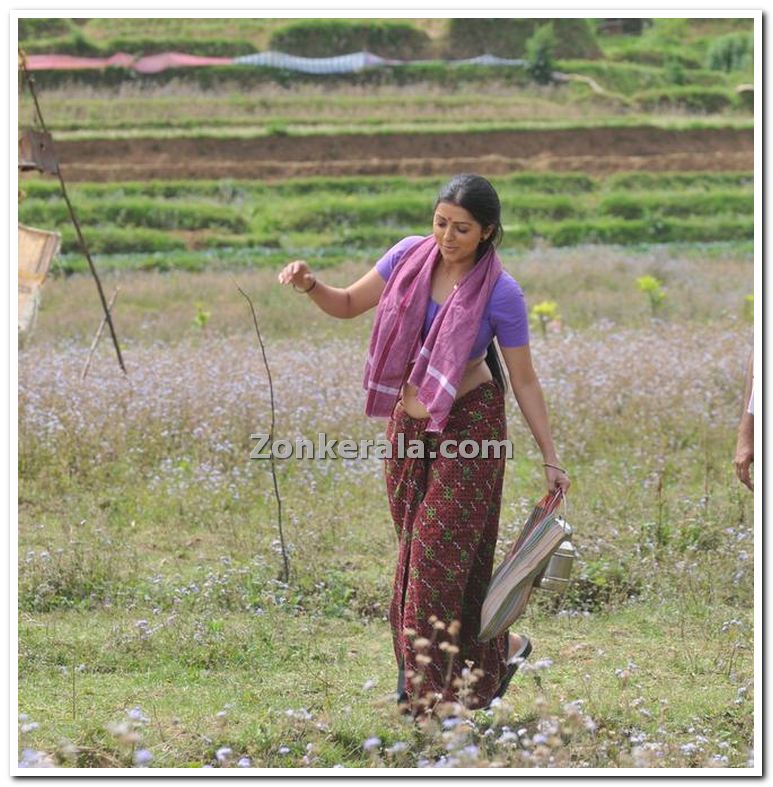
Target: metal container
(557,573)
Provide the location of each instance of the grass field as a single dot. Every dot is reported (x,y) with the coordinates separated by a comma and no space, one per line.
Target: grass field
(154,627)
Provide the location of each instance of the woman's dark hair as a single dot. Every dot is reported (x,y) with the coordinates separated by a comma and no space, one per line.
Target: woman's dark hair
(479,198)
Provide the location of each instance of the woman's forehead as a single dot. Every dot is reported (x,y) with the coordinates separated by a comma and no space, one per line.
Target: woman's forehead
(454,213)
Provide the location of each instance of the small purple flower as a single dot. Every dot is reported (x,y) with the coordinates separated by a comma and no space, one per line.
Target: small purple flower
(136,714)
(371,743)
(142,758)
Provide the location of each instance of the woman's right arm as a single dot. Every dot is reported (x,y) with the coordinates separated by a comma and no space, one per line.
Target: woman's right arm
(345,303)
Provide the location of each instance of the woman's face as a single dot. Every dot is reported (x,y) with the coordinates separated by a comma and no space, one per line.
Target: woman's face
(457,233)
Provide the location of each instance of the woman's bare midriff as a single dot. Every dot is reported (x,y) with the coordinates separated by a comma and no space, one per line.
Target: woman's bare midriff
(476,372)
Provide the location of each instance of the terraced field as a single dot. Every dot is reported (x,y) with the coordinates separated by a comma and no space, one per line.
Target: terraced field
(164,224)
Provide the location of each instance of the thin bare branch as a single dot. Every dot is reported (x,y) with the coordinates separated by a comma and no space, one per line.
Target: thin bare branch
(271,433)
(98,335)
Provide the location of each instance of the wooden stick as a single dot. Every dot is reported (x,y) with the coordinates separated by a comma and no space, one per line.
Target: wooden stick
(74,219)
(98,334)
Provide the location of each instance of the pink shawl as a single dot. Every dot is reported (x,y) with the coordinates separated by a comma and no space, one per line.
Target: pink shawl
(396,334)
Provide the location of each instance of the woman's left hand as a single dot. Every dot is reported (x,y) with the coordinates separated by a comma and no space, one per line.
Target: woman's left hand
(557,479)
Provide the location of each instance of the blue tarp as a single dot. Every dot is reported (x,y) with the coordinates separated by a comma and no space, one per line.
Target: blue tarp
(357,61)
(344,64)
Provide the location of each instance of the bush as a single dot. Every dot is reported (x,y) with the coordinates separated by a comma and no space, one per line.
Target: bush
(507,37)
(330,37)
(733,52)
(694,99)
(674,70)
(539,54)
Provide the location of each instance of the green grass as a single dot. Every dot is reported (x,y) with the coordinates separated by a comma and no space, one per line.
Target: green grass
(148,576)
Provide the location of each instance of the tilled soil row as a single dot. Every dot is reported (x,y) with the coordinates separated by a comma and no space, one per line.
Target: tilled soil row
(596,151)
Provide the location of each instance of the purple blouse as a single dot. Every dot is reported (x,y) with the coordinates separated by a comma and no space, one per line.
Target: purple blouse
(504,316)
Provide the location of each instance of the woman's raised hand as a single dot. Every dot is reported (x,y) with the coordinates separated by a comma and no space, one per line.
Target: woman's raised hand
(297,273)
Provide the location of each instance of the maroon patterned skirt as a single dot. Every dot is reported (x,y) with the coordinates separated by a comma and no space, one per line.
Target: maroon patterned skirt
(446,514)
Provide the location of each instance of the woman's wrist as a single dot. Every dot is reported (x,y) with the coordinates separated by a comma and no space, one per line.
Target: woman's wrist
(309,288)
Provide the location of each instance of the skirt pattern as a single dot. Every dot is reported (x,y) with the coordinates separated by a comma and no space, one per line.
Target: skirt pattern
(446,516)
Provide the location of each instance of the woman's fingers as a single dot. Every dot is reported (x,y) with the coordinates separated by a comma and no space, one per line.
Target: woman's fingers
(287,273)
(294,272)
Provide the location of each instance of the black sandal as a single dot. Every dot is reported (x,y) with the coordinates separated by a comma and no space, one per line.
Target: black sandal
(513,663)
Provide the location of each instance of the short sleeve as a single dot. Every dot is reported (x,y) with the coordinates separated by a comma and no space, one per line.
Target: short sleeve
(508,313)
(387,263)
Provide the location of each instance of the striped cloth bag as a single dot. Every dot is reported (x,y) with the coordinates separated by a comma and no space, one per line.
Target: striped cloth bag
(512,583)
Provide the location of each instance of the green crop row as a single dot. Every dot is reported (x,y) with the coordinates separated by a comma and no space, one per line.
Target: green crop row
(311,213)
(136,212)
(335,213)
(119,240)
(673,181)
(153,250)
(237,191)
(628,206)
(228,191)
(620,231)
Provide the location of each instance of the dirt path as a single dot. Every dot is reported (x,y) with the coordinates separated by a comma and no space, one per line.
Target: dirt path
(595,151)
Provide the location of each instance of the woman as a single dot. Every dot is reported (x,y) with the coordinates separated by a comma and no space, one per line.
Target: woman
(433,370)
